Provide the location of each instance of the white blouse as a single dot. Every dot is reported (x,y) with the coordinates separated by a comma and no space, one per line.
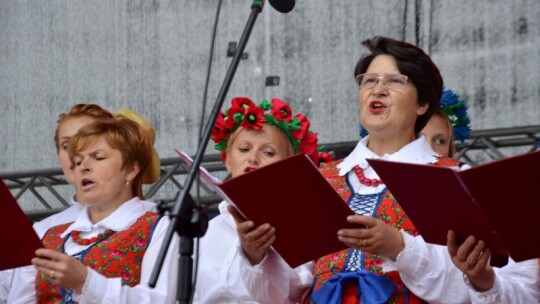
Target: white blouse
(219,278)
(99,289)
(426,269)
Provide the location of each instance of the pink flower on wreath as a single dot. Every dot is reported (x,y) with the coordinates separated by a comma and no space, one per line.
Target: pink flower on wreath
(304,127)
(308,145)
(281,110)
(253,118)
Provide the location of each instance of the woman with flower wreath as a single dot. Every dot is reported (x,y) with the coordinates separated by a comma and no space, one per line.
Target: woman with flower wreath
(516,282)
(513,283)
(107,254)
(387,260)
(249,137)
(449,123)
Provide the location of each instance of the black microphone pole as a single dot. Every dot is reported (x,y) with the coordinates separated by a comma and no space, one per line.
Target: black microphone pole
(186,219)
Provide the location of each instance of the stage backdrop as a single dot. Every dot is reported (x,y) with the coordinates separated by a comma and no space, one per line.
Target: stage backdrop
(152,56)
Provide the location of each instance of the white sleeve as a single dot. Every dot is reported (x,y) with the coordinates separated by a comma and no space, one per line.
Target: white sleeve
(517,283)
(428,272)
(99,289)
(23,288)
(5,284)
(273,281)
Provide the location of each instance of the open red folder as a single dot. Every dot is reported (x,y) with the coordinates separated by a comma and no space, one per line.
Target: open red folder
(16,232)
(497,202)
(294,197)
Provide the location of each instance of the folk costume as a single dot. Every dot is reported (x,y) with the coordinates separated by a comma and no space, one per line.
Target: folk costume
(119,251)
(219,278)
(352,275)
(375,201)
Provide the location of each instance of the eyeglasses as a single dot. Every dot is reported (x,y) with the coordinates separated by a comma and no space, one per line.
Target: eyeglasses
(392,82)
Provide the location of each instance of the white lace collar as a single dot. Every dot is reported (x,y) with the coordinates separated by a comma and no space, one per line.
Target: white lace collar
(416,152)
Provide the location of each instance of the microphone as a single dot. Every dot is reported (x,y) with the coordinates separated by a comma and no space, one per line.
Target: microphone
(282,6)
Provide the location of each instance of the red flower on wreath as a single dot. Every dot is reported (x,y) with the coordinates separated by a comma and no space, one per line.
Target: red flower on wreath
(308,145)
(253,118)
(304,127)
(221,129)
(241,103)
(245,114)
(281,110)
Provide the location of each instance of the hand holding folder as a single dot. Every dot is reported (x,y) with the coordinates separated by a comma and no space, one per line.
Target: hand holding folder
(293,197)
(19,239)
(496,202)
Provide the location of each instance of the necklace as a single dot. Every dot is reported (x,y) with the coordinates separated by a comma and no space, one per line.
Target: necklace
(75,235)
(373,182)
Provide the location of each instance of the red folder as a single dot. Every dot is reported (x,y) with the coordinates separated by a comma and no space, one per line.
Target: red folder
(294,197)
(497,202)
(16,232)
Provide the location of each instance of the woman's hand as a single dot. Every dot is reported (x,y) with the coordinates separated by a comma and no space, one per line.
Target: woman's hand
(254,241)
(375,236)
(472,258)
(60,268)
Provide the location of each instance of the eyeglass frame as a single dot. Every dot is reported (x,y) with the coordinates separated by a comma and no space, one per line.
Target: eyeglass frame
(381,79)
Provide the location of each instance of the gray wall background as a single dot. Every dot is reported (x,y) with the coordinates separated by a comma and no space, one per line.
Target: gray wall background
(152,56)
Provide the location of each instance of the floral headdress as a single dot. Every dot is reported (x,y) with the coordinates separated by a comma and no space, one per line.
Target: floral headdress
(456,111)
(244,113)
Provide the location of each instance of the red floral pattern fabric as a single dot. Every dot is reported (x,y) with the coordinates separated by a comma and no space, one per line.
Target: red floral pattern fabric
(390,212)
(119,255)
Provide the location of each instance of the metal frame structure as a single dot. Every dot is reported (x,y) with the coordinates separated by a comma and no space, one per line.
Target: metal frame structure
(482,146)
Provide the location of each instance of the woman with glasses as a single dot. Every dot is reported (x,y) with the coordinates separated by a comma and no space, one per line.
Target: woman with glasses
(387,261)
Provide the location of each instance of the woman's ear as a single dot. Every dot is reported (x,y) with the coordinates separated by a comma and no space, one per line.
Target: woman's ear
(422,109)
(132,173)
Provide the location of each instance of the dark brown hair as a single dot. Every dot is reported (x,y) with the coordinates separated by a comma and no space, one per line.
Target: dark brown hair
(415,64)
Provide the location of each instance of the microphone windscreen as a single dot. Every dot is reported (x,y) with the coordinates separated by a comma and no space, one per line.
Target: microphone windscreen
(282,6)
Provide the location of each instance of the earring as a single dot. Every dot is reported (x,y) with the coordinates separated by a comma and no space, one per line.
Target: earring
(127,183)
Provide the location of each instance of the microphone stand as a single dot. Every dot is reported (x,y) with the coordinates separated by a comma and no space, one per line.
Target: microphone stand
(188,220)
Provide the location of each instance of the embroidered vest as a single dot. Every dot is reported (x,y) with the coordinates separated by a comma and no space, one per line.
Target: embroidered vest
(119,255)
(388,211)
